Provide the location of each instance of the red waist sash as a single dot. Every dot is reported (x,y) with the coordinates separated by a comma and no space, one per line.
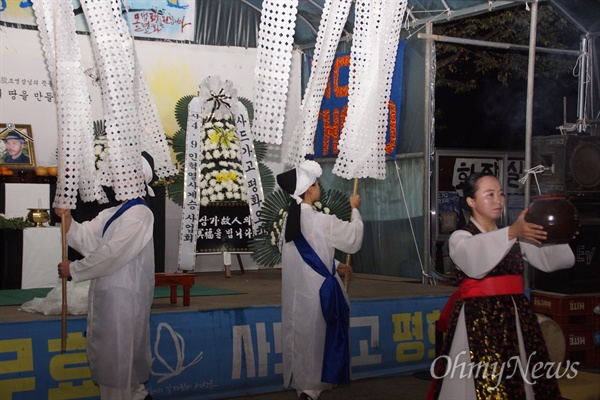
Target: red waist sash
(491,286)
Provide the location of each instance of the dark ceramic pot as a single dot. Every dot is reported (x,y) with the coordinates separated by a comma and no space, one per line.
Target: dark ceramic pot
(556,214)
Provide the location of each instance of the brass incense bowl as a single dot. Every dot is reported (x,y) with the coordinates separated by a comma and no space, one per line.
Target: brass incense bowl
(39,216)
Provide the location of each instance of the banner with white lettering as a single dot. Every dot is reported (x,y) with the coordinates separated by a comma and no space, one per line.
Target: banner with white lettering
(215,354)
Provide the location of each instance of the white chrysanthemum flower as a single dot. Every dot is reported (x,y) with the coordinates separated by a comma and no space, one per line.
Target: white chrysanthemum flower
(220,197)
(218,187)
(236,196)
(229,195)
(223,163)
(216,154)
(219,124)
(213,197)
(204,202)
(208,156)
(326,210)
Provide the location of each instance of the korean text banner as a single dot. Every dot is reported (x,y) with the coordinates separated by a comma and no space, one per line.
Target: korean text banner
(157,19)
(214,354)
(334,107)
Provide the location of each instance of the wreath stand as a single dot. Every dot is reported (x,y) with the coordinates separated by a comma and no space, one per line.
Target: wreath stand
(227,263)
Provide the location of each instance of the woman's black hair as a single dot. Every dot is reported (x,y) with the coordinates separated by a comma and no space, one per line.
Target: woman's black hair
(470,185)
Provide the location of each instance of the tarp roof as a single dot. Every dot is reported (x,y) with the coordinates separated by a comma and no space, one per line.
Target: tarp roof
(236,22)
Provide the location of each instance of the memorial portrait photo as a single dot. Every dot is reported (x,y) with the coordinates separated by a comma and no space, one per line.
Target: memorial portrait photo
(16,146)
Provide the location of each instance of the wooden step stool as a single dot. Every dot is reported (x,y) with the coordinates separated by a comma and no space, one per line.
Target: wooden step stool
(175,279)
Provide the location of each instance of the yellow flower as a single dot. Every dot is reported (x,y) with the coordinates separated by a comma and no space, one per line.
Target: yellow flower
(232,175)
(214,137)
(222,177)
(222,137)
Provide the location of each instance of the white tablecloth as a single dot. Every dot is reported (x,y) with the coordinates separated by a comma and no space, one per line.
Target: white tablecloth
(42,252)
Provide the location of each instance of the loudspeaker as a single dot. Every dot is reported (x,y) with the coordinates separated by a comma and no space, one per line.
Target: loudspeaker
(584,276)
(573,163)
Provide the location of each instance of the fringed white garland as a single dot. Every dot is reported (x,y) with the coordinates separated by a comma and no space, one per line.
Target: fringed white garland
(334,16)
(272,71)
(114,54)
(132,121)
(373,56)
(154,140)
(56,24)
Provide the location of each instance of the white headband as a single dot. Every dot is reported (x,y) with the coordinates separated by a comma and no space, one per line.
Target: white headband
(147,176)
(306,175)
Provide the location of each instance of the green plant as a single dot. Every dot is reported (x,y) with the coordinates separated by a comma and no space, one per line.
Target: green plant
(265,246)
(14,223)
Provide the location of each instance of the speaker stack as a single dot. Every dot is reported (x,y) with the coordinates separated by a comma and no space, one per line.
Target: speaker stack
(573,168)
(573,162)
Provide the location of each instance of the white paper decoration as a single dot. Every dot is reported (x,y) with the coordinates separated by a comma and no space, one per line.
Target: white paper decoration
(272,71)
(56,24)
(373,55)
(131,119)
(335,14)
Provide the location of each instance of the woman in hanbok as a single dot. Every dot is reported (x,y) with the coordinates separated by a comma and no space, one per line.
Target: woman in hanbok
(118,250)
(494,348)
(315,313)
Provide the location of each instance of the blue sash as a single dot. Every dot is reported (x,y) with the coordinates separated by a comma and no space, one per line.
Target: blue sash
(336,356)
(124,208)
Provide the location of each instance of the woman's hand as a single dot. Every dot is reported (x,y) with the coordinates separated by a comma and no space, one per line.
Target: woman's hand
(344,269)
(354,200)
(63,269)
(524,230)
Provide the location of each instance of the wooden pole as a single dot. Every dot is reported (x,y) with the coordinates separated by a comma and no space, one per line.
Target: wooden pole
(347,277)
(63,336)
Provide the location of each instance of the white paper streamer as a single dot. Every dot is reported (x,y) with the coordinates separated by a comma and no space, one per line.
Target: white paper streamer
(56,24)
(272,72)
(373,56)
(131,119)
(334,16)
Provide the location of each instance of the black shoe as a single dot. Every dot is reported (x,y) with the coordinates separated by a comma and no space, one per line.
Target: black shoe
(304,396)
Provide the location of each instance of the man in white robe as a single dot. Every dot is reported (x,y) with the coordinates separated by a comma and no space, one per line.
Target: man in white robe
(118,250)
(303,324)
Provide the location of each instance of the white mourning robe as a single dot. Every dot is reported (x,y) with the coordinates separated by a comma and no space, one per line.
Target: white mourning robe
(120,265)
(302,323)
(476,256)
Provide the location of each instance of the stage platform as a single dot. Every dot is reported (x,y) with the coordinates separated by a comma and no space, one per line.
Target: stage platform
(228,345)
